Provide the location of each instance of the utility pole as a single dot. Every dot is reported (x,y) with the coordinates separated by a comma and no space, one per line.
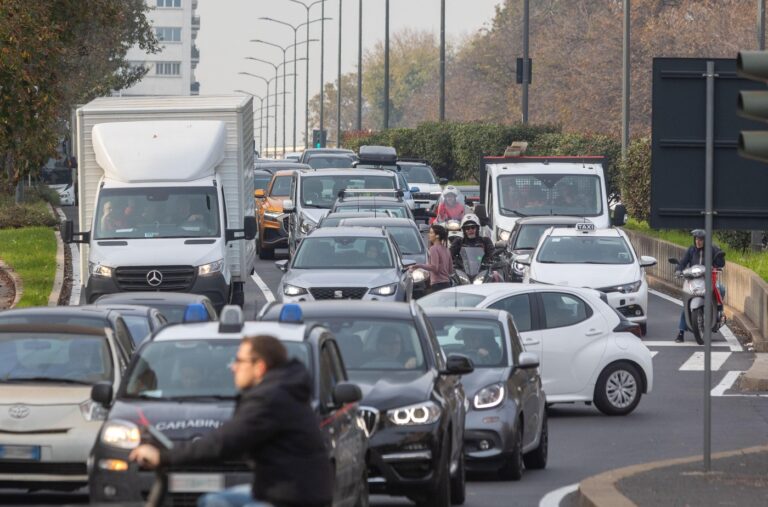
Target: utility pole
(442,60)
(526,68)
(360,67)
(625,84)
(338,85)
(386,65)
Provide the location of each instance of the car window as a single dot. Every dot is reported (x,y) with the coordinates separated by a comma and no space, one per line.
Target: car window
(419,174)
(450,298)
(529,236)
(377,344)
(408,239)
(72,357)
(562,309)
(35,318)
(282,186)
(123,337)
(391,211)
(520,308)
(321,191)
(138,326)
(584,249)
(481,340)
(514,338)
(261,181)
(344,252)
(328,377)
(325,162)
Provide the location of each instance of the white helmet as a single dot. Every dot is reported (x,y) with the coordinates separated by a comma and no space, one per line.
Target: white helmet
(450,189)
(470,218)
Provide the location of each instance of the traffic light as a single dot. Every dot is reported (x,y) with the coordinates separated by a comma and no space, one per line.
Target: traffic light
(753,65)
(318,141)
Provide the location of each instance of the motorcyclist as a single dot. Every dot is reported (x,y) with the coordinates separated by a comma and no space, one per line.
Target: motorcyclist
(450,207)
(693,256)
(470,228)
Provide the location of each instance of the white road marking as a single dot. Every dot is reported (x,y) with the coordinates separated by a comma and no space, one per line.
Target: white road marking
(731,339)
(696,361)
(553,498)
(670,343)
(653,353)
(665,296)
(263,286)
(726,383)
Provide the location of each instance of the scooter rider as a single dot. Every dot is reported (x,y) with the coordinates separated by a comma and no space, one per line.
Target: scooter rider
(470,228)
(451,206)
(693,256)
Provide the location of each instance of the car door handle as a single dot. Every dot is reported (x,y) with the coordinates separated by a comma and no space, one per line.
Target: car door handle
(593,332)
(531,341)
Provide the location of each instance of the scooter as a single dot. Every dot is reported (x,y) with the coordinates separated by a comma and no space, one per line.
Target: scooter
(694,288)
(475,270)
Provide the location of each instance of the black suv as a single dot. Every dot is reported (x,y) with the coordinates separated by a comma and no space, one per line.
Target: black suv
(413,400)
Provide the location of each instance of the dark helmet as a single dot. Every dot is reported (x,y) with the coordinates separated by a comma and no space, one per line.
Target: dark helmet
(699,233)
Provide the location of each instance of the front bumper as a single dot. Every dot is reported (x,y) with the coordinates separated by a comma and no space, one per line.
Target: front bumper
(273,233)
(489,437)
(633,305)
(398,296)
(214,286)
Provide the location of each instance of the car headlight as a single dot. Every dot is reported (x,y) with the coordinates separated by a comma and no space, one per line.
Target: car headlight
(272,215)
(489,396)
(97,269)
(292,290)
(121,434)
(519,268)
(414,415)
(629,287)
(503,235)
(463,278)
(210,268)
(419,275)
(479,280)
(307,226)
(385,290)
(93,411)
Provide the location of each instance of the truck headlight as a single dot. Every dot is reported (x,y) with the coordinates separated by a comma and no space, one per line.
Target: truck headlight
(414,415)
(97,269)
(210,268)
(385,290)
(489,396)
(121,434)
(93,411)
(419,275)
(292,290)
(503,235)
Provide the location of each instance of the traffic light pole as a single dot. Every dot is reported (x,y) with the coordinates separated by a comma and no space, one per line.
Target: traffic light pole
(709,176)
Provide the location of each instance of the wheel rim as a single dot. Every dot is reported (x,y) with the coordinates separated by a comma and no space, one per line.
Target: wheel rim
(621,388)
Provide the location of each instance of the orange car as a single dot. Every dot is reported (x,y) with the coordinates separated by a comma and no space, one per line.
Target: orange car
(272,222)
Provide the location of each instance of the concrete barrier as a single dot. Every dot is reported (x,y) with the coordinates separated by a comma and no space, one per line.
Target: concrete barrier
(746,295)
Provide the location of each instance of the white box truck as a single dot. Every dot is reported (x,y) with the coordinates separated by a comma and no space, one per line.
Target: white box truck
(166,196)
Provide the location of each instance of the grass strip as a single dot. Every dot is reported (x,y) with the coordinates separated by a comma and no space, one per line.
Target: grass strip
(31,251)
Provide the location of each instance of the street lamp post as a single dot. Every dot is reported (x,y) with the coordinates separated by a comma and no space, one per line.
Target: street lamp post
(386,65)
(360,67)
(338,86)
(284,50)
(442,60)
(268,82)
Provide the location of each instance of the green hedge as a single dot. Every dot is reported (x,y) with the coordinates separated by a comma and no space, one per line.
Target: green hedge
(32,211)
(635,179)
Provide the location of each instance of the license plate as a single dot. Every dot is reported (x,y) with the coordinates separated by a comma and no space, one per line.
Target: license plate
(423,205)
(20,452)
(195,483)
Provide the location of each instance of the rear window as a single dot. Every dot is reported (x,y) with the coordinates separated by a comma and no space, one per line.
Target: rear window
(450,298)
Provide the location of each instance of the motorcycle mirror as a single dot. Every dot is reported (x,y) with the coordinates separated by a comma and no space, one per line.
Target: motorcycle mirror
(672,260)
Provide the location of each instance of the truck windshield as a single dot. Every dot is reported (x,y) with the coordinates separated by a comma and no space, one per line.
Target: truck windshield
(550,194)
(131,213)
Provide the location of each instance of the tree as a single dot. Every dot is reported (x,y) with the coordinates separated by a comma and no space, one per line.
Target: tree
(53,55)
(348,107)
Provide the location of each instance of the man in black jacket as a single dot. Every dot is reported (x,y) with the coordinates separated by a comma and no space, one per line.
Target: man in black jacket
(273,427)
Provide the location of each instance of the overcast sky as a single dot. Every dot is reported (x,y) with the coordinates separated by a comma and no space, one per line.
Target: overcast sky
(227,26)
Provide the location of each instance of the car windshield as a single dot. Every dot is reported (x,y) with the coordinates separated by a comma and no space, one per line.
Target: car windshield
(344,252)
(190,369)
(407,239)
(261,181)
(58,176)
(138,327)
(172,313)
(450,298)
(54,357)
(53,318)
(584,250)
(385,210)
(481,340)
(551,194)
(418,174)
(322,191)
(167,212)
(377,344)
(281,186)
(529,236)
(329,162)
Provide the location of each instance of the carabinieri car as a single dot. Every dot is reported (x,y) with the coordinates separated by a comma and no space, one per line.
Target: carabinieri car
(413,404)
(180,383)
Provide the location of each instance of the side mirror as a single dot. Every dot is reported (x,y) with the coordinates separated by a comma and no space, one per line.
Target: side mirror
(259,193)
(457,364)
(249,227)
(415,189)
(528,360)
(288,206)
(282,265)
(673,260)
(719,256)
(67,230)
(346,392)
(443,181)
(619,215)
(101,393)
(407,263)
(647,261)
(525,259)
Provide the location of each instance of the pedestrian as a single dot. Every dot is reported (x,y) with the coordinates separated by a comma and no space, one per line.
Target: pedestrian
(273,427)
(440,265)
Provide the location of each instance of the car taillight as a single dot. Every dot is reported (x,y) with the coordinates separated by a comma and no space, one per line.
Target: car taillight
(626,326)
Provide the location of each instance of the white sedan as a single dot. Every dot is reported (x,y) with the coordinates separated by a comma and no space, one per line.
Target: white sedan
(601,259)
(588,352)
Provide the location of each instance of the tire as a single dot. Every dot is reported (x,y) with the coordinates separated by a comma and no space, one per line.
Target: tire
(459,483)
(697,321)
(644,328)
(537,458)
(513,467)
(440,496)
(618,389)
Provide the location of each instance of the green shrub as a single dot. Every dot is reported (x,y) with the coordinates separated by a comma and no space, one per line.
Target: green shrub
(41,193)
(28,213)
(635,179)
(740,240)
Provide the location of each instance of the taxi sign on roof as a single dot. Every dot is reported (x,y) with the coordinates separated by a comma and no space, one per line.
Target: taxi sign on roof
(585,226)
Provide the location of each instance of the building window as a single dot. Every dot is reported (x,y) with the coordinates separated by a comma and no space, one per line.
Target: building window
(168,68)
(168,34)
(168,3)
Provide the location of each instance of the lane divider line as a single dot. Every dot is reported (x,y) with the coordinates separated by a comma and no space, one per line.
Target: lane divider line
(263,287)
(726,383)
(553,498)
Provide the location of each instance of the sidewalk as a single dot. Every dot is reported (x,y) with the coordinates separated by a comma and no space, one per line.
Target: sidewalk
(737,478)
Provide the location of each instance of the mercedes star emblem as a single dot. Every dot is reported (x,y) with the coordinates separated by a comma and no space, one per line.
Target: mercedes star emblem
(154,278)
(18,411)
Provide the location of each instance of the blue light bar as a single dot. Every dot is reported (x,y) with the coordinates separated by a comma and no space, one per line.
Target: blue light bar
(196,312)
(291,312)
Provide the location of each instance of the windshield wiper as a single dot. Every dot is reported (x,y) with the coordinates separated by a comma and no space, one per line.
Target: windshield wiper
(48,379)
(200,397)
(509,210)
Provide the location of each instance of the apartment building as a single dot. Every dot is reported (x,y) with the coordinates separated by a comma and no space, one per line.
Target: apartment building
(171,71)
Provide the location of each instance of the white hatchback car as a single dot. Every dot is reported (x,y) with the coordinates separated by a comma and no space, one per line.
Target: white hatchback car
(588,352)
(601,259)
